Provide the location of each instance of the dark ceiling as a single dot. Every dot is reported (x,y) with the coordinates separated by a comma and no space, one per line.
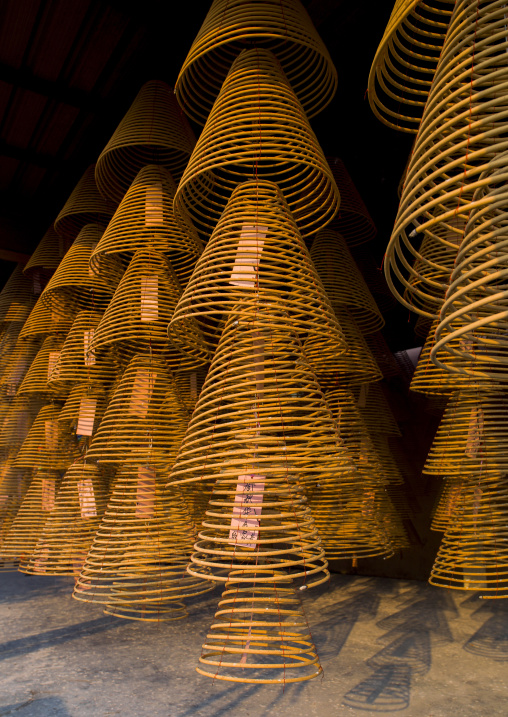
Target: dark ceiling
(69,71)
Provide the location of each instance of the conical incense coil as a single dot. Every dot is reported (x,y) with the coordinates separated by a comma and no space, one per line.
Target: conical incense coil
(69,531)
(40,371)
(17,423)
(405,61)
(382,354)
(260,402)
(137,561)
(9,338)
(257,128)
(31,517)
(84,408)
(282,27)
(77,360)
(16,297)
(84,206)
(44,321)
(429,378)
(144,421)
(461,132)
(355,365)
(20,360)
(474,551)
(153,131)
(48,444)
(260,634)
(375,409)
(390,470)
(343,282)
(353,220)
(74,285)
(43,261)
(446,505)
(189,385)
(374,277)
(472,438)
(145,220)
(255,251)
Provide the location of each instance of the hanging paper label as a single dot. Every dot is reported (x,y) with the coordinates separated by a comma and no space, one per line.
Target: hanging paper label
(149,298)
(193,379)
(52,361)
(145,492)
(86,416)
(51,435)
(362,398)
(475,432)
(88,351)
(142,390)
(48,494)
(154,207)
(247,508)
(86,497)
(248,255)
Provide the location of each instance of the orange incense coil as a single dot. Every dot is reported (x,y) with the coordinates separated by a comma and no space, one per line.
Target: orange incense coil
(153,131)
(18,364)
(43,261)
(84,206)
(472,438)
(136,564)
(74,285)
(390,470)
(260,402)
(48,444)
(145,420)
(69,531)
(474,551)
(260,634)
(375,409)
(257,128)
(255,251)
(9,338)
(446,505)
(144,220)
(382,354)
(344,284)
(16,297)
(43,321)
(36,378)
(189,385)
(406,59)
(423,326)
(352,221)
(282,27)
(84,408)
(374,277)
(17,423)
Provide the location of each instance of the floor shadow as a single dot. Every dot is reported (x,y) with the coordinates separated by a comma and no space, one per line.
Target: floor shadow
(233,696)
(491,639)
(387,690)
(36,707)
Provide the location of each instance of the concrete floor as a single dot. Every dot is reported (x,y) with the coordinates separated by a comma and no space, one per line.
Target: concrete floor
(385,646)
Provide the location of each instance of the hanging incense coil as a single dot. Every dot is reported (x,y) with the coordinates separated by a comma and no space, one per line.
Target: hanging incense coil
(372,272)
(260,402)
(9,338)
(239,141)
(17,423)
(84,408)
(255,251)
(343,281)
(260,634)
(14,484)
(382,355)
(405,61)
(43,321)
(74,285)
(189,385)
(461,133)
(473,554)
(136,564)
(19,362)
(353,220)
(145,420)
(472,436)
(84,206)
(16,297)
(43,261)
(48,445)
(446,505)
(40,371)
(390,470)
(423,326)
(153,131)
(429,378)
(144,220)
(69,531)
(375,409)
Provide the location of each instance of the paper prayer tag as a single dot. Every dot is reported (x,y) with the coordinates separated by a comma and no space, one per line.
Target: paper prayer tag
(142,390)
(247,509)
(248,255)
(154,207)
(52,365)
(48,494)
(86,416)
(145,492)
(149,298)
(87,505)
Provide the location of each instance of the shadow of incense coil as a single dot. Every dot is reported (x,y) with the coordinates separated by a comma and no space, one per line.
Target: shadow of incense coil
(48,444)
(16,297)
(406,59)
(257,127)
(69,531)
(136,564)
(352,221)
(17,423)
(18,362)
(144,420)
(472,438)
(343,281)
(84,408)
(260,633)
(446,505)
(153,131)
(84,206)
(43,261)
(284,27)
(255,251)
(145,220)
(473,554)
(36,378)
(43,321)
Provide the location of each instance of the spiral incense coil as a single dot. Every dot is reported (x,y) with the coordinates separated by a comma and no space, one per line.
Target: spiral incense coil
(43,261)
(37,377)
(429,378)
(257,128)
(44,321)
(390,470)
(393,527)
(31,517)
(423,326)
(461,133)
(260,634)
(474,551)
(48,444)
(17,423)
(446,505)
(153,131)
(353,220)
(374,277)
(145,420)
(136,564)
(69,531)
(343,282)
(84,206)
(406,59)
(16,297)
(260,402)
(145,220)
(17,365)
(74,285)
(382,354)
(84,408)
(9,341)
(189,385)
(255,251)
(375,409)
(472,438)
(77,360)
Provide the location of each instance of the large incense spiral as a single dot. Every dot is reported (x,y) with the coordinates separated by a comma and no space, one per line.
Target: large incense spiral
(84,206)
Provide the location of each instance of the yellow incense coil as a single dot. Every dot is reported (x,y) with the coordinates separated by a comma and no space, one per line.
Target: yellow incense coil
(43,261)
(43,321)
(374,277)
(145,220)
(405,61)
(16,297)
(446,505)
(153,131)
(18,363)
(189,385)
(84,206)
(257,128)
(84,408)
(17,423)
(255,252)
(353,220)
(48,444)
(375,409)
(382,354)
(35,381)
